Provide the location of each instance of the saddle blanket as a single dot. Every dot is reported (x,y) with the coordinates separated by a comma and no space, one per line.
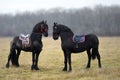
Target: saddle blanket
(78,38)
(25,39)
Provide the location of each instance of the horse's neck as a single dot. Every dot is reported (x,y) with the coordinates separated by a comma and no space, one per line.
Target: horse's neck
(66,35)
(36,31)
(36,36)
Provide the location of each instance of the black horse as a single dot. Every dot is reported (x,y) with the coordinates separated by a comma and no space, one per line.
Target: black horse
(68,46)
(35,46)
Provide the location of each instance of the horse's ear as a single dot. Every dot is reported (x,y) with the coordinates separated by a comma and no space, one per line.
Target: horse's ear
(45,21)
(42,21)
(55,23)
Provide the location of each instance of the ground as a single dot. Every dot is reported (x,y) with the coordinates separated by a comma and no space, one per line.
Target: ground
(51,62)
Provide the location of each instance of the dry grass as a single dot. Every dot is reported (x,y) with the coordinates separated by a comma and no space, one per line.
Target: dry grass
(51,63)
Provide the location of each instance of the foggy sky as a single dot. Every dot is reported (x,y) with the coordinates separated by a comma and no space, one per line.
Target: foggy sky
(13,6)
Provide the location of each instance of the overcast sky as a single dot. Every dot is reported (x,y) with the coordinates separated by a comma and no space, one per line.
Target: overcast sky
(13,6)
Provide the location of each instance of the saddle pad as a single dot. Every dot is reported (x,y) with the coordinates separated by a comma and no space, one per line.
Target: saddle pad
(25,39)
(78,38)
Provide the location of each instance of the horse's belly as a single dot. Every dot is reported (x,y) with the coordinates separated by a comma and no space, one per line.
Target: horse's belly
(77,50)
(27,49)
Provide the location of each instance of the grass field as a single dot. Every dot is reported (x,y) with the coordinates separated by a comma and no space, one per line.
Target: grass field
(51,62)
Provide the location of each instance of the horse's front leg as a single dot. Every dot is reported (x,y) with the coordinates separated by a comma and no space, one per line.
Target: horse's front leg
(36,61)
(33,61)
(65,62)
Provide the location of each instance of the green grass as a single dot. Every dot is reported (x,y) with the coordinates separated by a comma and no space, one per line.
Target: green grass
(51,62)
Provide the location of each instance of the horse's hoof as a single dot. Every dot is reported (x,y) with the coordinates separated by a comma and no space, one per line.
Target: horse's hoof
(70,70)
(17,65)
(34,68)
(87,67)
(100,66)
(64,69)
(7,65)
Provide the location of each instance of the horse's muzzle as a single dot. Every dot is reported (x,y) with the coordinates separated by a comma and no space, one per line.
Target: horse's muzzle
(55,37)
(45,34)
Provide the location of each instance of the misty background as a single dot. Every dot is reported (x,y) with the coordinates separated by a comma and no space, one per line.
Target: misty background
(100,20)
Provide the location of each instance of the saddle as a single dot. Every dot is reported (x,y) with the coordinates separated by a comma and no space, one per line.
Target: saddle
(25,40)
(78,38)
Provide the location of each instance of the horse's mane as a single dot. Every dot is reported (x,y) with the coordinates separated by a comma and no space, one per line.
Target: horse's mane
(36,27)
(64,28)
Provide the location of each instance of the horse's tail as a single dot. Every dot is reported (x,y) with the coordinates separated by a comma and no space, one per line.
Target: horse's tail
(94,54)
(95,45)
(13,53)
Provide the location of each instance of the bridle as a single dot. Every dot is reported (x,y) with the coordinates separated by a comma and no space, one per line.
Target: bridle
(43,28)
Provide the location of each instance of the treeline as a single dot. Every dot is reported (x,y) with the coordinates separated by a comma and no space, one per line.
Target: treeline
(101,20)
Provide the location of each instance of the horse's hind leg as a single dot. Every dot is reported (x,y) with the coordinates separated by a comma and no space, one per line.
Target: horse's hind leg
(99,61)
(69,57)
(8,62)
(89,59)
(10,57)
